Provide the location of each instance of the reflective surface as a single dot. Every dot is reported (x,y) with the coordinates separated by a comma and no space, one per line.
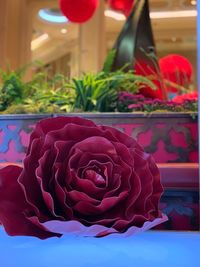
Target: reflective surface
(142,250)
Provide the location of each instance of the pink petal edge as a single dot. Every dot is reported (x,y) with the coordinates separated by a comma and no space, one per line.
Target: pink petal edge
(75,227)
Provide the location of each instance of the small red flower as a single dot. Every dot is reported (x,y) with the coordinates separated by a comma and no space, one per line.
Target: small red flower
(189,96)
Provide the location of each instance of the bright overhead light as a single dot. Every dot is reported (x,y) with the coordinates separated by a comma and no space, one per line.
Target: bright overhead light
(114,15)
(63,31)
(193,2)
(37,42)
(173,14)
(52,15)
(155,15)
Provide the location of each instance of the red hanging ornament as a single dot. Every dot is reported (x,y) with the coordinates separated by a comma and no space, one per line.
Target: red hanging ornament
(128,7)
(176,69)
(123,6)
(78,11)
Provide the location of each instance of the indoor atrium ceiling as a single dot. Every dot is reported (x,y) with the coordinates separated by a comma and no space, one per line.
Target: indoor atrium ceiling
(52,40)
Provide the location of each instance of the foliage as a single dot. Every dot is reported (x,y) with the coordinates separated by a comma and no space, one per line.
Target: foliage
(105,91)
(40,95)
(109,61)
(91,92)
(49,95)
(99,92)
(11,90)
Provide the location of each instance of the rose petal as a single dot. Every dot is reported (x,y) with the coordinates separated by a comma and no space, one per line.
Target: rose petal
(149,183)
(87,208)
(80,160)
(13,206)
(29,183)
(52,124)
(76,196)
(75,227)
(43,175)
(98,145)
(120,137)
(87,186)
(124,153)
(60,196)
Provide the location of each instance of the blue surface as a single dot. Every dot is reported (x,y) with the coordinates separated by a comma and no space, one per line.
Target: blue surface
(142,250)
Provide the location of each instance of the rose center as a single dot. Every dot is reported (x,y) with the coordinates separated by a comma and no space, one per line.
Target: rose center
(95,177)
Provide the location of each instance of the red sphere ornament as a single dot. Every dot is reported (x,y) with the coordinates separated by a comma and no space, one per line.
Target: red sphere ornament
(176,69)
(124,6)
(78,11)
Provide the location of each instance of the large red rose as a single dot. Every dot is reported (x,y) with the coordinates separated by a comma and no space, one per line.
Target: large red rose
(80,177)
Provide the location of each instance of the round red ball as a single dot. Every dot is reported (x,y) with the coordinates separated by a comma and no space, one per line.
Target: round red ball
(177,69)
(124,6)
(78,11)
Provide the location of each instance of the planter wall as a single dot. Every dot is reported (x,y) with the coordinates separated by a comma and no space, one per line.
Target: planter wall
(168,137)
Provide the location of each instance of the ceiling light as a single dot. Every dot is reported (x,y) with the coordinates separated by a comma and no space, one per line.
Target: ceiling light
(173,14)
(155,15)
(174,39)
(114,15)
(63,31)
(52,15)
(37,42)
(193,2)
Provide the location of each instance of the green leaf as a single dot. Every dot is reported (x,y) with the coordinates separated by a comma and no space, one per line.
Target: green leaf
(109,60)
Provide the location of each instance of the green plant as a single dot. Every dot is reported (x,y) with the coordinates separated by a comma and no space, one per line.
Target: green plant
(99,92)
(50,95)
(91,92)
(11,88)
(40,95)
(105,91)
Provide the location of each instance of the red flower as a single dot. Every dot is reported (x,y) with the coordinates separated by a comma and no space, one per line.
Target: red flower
(189,96)
(78,176)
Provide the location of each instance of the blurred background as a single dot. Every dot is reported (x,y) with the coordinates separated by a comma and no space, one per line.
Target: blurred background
(35,30)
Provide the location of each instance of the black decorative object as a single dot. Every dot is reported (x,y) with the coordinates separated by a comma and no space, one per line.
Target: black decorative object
(135,42)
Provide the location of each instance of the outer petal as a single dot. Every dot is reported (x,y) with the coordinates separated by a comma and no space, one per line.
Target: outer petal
(13,206)
(120,137)
(75,227)
(47,125)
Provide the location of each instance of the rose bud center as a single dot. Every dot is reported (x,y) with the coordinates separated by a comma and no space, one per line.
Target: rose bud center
(95,177)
